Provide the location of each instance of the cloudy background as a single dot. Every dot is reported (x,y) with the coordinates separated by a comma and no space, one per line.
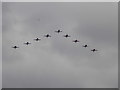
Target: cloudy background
(57,62)
(0,45)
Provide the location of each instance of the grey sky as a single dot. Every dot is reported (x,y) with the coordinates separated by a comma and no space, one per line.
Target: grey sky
(1,45)
(57,61)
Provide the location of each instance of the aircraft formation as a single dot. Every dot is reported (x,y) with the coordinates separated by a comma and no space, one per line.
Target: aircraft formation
(58,31)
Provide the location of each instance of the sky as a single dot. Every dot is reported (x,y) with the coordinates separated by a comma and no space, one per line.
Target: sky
(60,0)
(57,62)
(1,45)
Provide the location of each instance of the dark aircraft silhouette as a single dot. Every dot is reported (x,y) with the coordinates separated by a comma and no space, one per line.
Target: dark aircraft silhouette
(94,50)
(58,31)
(27,43)
(85,46)
(15,47)
(76,41)
(37,39)
(47,35)
(66,35)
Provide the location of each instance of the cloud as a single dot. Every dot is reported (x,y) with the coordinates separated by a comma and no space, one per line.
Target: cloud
(57,61)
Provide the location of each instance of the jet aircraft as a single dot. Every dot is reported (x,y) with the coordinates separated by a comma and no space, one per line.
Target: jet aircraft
(85,46)
(94,50)
(47,35)
(76,41)
(27,43)
(58,31)
(15,47)
(66,35)
(37,39)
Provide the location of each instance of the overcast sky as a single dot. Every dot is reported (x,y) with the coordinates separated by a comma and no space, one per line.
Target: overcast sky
(1,45)
(57,62)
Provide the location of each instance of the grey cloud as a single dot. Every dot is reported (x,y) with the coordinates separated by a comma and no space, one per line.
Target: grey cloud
(57,61)
(1,45)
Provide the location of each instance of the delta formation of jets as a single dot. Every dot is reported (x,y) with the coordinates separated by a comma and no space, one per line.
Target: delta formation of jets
(58,31)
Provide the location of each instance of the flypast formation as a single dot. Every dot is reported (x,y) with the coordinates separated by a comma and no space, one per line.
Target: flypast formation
(58,31)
